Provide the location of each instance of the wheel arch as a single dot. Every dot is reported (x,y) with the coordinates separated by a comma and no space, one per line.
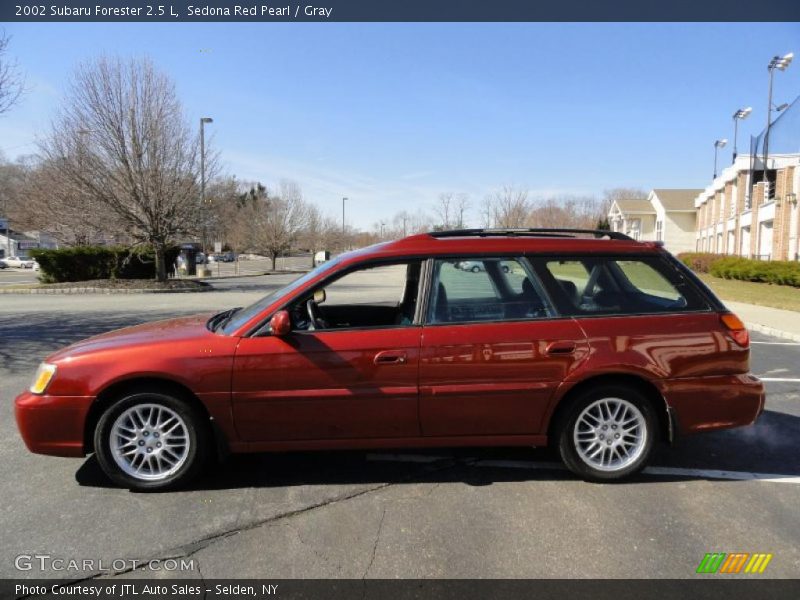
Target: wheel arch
(637,382)
(114,392)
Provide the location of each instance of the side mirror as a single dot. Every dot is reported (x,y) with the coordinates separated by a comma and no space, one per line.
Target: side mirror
(280,324)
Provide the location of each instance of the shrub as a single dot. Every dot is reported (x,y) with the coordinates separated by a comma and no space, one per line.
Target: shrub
(743,269)
(700,262)
(84,263)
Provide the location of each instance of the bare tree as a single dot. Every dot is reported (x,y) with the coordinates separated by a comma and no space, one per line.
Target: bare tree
(449,210)
(443,209)
(320,232)
(510,207)
(123,141)
(462,205)
(57,205)
(222,200)
(570,212)
(487,212)
(12,83)
(277,221)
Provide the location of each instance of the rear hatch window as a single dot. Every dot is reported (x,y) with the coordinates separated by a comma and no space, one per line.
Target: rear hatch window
(585,285)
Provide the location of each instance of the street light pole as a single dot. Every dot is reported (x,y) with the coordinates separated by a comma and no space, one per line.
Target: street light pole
(343,226)
(203,214)
(717,145)
(780,63)
(739,115)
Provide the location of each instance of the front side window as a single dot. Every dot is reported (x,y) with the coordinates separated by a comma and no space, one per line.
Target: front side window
(381,296)
(241,316)
(485,289)
(598,285)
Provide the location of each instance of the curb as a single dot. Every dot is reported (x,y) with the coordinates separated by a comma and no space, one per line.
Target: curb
(265,273)
(106,291)
(786,335)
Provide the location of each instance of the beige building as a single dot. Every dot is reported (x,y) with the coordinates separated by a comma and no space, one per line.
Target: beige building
(754,221)
(667,215)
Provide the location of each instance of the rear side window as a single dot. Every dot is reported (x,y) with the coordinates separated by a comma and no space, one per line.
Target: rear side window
(485,289)
(609,285)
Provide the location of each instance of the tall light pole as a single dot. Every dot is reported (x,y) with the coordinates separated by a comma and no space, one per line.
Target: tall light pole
(343,226)
(717,145)
(203,122)
(781,63)
(739,115)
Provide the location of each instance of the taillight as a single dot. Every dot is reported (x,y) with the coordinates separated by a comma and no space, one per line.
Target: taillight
(736,329)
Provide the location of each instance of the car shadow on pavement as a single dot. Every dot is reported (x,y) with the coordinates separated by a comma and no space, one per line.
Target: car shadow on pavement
(769,447)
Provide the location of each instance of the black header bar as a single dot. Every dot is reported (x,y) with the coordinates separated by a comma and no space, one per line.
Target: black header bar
(400,10)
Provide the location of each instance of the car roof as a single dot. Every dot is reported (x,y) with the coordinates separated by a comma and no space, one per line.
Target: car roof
(507,241)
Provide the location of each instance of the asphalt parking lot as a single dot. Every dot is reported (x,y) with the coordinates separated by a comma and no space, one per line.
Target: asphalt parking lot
(446,513)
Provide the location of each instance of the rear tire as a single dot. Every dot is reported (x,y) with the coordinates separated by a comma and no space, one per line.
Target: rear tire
(608,433)
(149,441)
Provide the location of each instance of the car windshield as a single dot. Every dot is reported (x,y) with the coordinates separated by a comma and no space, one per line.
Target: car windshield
(242,316)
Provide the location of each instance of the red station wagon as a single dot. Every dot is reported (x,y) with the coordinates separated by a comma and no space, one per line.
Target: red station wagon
(591,342)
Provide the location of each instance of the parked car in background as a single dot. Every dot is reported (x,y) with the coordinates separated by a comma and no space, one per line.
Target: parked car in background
(20,263)
(222,257)
(476,266)
(3,264)
(589,342)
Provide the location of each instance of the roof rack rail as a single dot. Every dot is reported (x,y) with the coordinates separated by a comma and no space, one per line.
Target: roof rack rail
(535,232)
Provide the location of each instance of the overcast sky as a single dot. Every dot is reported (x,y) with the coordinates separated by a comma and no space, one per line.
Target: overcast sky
(390,115)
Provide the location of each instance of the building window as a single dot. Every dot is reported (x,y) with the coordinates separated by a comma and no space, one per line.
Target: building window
(635,228)
(660,230)
(744,242)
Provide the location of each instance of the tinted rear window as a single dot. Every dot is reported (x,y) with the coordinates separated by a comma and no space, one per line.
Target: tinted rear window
(617,285)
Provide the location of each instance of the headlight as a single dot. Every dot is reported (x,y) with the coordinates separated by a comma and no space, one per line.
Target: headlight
(44,374)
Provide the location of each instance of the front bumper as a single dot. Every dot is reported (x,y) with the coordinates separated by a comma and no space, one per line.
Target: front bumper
(710,403)
(52,425)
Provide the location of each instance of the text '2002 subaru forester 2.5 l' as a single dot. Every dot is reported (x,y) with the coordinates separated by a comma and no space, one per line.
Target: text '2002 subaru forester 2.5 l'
(591,342)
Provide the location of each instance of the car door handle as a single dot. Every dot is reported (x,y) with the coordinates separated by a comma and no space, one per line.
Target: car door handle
(560,348)
(390,357)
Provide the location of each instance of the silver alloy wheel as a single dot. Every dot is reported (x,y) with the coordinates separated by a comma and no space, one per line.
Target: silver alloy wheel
(149,442)
(610,434)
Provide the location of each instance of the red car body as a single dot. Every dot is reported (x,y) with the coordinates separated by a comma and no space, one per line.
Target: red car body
(489,383)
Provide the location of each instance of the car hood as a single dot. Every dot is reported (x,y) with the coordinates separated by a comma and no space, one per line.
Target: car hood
(150,334)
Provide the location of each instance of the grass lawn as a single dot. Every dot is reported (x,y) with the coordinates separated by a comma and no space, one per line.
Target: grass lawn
(763,294)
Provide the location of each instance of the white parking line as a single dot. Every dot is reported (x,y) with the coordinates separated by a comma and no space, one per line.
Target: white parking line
(782,379)
(776,343)
(550,466)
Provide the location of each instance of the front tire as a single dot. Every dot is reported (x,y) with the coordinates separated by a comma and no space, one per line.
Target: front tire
(608,433)
(149,441)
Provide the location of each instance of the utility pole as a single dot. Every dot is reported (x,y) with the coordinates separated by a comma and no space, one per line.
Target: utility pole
(780,63)
(203,213)
(739,115)
(343,226)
